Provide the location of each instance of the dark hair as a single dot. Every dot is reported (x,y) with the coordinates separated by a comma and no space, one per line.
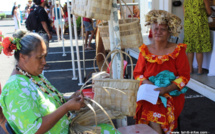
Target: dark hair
(29,42)
(14,7)
(37,2)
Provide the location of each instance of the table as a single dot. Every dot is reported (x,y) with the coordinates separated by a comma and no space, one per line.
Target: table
(137,129)
(208,58)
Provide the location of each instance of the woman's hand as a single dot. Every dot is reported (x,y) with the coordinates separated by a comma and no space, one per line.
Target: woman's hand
(75,102)
(167,89)
(162,90)
(77,93)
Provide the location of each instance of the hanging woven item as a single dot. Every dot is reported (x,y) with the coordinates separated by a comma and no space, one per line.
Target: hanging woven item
(130,32)
(117,94)
(97,9)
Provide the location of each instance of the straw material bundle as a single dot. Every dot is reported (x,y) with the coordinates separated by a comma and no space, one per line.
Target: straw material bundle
(117,94)
(86,119)
(97,9)
(130,33)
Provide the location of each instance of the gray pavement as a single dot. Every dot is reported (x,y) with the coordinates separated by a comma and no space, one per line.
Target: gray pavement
(197,116)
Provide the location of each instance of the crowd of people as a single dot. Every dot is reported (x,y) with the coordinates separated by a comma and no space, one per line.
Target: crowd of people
(40,108)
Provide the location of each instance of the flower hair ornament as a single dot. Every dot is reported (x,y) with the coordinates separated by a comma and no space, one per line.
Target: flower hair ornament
(163,17)
(9,44)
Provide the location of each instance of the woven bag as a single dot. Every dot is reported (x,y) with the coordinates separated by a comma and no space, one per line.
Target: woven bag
(115,99)
(130,33)
(97,9)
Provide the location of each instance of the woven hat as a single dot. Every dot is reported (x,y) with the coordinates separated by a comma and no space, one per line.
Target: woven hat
(29,0)
(163,17)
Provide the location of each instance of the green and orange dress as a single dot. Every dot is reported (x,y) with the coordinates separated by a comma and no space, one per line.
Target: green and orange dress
(196,29)
(149,65)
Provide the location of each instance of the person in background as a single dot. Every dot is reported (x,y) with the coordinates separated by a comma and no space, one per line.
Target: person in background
(44,28)
(30,3)
(88,26)
(51,6)
(57,21)
(164,59)
(20,14)
(16,17)
(30,103)
(196,31)
(27,11)
(48,11)
(66,26)
(27,8)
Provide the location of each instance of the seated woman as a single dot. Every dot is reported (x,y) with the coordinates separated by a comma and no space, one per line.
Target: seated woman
(157,57)
(28,100)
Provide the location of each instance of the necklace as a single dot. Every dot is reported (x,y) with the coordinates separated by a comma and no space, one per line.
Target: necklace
(69,116)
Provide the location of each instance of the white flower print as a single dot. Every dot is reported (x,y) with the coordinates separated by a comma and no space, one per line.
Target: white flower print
(182,84)
(20,124)
(25,84)
(22,95)
(33,94)
(10,105)
(22,79)
(159,57)
(38,114)
(38,125)
(25,105)
(26,91)
(44,106)
(14,110)
(32,127)
(13,117)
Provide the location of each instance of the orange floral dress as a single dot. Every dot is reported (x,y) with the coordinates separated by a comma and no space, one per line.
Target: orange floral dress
(149,65)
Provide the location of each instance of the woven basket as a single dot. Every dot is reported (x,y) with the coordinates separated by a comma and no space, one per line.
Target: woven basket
(97,9)
(130,34)
(125,103)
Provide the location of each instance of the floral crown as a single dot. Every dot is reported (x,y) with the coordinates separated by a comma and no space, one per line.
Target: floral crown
(9,44)
(163,17)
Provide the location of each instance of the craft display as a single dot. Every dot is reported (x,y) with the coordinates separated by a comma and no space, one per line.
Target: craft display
(97,9)
(130,32)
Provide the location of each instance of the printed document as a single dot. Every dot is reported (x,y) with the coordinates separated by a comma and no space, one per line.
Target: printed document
(146,92)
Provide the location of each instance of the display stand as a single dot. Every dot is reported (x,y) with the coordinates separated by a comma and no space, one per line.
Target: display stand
(71,41)
(115,43)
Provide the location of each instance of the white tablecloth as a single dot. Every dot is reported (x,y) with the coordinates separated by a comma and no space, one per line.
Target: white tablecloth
(208,58)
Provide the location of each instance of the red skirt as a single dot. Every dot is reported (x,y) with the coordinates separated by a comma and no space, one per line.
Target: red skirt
(167,117)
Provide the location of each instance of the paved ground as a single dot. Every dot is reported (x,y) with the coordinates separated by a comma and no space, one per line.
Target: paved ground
(197,116)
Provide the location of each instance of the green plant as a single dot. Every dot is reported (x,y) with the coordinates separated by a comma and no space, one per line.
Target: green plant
(2,15)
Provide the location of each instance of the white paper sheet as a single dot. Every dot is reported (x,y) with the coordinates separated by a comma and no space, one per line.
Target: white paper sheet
(146,92)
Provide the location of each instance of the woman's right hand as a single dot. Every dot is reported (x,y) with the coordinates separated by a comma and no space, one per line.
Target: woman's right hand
(75,103)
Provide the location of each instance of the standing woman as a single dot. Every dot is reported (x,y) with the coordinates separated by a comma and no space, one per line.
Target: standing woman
(196,30)
(16,17)
(56,18)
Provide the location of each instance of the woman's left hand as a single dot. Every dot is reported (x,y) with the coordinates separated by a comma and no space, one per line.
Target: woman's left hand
(77,93)
(162,90)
